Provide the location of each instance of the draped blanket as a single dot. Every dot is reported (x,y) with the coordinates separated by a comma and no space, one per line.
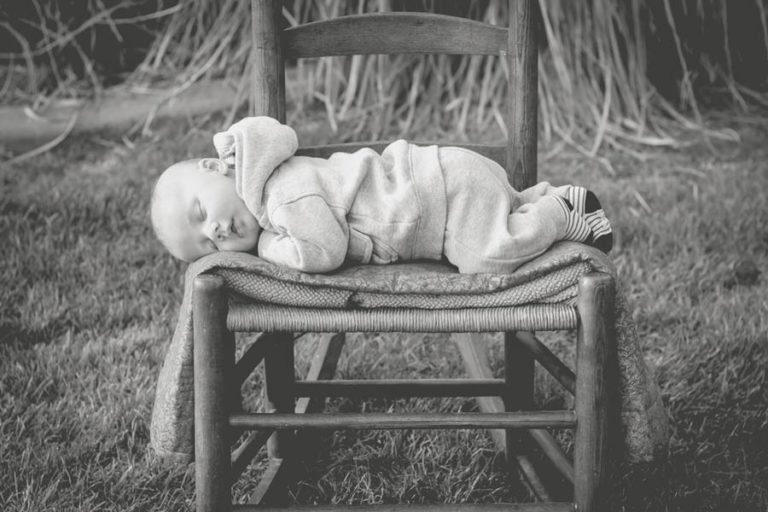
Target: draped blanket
(552,278)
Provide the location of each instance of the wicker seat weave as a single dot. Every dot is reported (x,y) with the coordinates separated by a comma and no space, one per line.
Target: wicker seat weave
(260,317)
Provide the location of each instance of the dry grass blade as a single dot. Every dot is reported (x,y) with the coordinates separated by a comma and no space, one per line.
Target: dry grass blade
(602,122)
(594,74)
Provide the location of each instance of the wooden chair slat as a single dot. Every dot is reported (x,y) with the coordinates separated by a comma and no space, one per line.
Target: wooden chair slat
(400,388)
(396,507)
(385,420)
(386,33)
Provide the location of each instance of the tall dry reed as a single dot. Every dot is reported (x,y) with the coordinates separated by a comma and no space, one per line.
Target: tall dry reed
(613,73)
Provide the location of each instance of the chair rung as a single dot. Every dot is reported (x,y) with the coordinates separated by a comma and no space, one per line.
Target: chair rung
(469,507)
(401,388)
(377,421)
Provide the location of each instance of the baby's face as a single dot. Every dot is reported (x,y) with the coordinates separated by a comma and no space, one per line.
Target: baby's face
(199,212)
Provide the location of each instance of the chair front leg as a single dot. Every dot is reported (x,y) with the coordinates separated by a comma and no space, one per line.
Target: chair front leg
(593,349)
(214,360)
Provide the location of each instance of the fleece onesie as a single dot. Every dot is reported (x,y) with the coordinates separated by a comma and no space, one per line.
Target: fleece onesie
(409,202)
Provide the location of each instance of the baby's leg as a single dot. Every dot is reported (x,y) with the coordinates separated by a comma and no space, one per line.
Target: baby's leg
(539,190)
(482,235)
(484,239)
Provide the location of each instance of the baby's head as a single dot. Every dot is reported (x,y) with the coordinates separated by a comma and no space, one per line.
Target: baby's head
(196,211)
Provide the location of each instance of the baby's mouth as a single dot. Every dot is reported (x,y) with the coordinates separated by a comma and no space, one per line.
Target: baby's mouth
(233,228)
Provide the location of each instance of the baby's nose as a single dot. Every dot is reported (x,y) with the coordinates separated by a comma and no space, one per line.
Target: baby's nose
(221,230)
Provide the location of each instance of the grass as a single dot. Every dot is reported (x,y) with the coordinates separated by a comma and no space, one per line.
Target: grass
(88,301)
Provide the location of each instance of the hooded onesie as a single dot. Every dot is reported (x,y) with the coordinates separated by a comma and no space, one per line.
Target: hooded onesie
(409,202)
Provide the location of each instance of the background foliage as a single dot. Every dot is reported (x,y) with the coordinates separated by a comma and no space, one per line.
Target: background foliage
(613,72)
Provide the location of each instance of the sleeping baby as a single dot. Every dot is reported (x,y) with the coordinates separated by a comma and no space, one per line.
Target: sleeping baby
(409,202)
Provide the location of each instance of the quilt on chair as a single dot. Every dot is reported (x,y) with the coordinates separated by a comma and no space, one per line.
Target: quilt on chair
(551,278)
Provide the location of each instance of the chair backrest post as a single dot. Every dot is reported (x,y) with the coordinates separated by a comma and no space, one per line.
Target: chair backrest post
(267,71)
(522,123)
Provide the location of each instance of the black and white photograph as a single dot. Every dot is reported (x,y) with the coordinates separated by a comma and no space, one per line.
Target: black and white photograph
(386,255)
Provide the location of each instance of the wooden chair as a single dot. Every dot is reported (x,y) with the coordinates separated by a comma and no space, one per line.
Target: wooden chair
(214,364)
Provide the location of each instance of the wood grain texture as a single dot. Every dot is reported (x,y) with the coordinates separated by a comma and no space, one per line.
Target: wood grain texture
(594,341)
(388,33)
(267,67)
(377,421)
(387,388)
(522,118)
(518,374)
(279,378)
(213,361)
(447,507)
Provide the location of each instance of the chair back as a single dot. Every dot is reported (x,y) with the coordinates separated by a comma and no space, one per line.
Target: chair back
(407,33)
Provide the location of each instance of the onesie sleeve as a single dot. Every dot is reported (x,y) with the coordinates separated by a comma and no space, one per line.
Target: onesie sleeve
(307,236)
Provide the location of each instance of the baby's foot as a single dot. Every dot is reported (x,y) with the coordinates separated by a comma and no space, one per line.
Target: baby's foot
(586,205)
(576,229)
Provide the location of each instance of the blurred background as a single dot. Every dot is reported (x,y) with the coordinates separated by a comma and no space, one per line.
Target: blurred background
(614,73)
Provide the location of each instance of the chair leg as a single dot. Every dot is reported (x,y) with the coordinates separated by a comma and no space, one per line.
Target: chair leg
(214,359)
(518,374)
(279,379)
(595,307)
(278,386)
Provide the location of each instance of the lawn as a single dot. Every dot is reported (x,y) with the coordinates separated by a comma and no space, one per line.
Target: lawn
(88,301)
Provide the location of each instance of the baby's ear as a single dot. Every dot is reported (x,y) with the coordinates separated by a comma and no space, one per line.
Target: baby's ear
(213,165)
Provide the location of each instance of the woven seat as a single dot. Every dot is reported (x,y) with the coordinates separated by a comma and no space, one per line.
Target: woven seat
(553,293)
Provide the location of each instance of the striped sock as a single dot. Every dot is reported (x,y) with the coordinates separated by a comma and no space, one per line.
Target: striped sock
(576,229)
(586,204)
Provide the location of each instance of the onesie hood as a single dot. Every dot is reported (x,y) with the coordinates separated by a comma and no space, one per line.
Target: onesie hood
(255,147)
